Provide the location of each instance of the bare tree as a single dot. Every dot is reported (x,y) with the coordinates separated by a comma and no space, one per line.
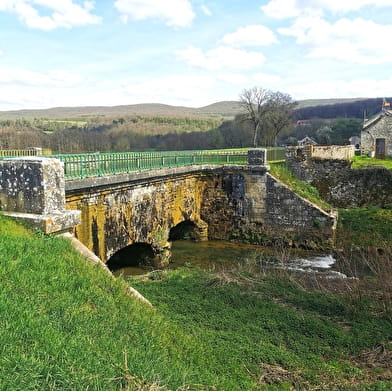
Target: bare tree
(253,101)
(279,114)
(268,111)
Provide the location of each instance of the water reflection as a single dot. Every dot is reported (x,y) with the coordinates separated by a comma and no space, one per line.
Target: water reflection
(220,255)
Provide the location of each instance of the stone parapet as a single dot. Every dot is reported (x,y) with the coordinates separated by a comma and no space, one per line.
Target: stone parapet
(257,157)
(32,189)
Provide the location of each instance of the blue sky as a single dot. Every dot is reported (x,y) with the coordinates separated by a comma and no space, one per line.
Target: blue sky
(190,52)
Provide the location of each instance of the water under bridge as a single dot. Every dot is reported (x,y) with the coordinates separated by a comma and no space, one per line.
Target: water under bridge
(134,203)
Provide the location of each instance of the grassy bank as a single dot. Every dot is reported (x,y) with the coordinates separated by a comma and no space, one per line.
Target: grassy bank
(367,226)
(365,161)
(267,332)
(280,171)
(66,325)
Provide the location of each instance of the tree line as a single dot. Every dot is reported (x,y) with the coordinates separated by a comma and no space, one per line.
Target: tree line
(268,118)
(357,109)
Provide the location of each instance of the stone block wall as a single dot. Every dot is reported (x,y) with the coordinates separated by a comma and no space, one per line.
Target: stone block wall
(342,186)
(330,152)
(299,219)
(256,206)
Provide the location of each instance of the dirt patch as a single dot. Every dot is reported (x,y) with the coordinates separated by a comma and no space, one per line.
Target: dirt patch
(274,374)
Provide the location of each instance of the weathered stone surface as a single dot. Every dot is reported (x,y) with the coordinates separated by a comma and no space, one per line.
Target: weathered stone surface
(32,185)
(52,223)
(290,213)
(116,216)
(379,127)
(33,189)
(257,157)
(342,186)
(230,202)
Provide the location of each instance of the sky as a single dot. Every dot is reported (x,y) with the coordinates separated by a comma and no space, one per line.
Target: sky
(190,52)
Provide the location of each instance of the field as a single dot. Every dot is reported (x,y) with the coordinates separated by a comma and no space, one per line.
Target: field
(66,325)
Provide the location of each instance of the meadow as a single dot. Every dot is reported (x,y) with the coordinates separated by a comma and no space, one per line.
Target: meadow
(67,325)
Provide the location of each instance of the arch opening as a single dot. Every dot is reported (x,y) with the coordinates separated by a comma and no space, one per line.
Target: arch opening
(186,230)
(134,255)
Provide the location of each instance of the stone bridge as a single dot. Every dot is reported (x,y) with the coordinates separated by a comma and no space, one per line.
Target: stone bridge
(135,215)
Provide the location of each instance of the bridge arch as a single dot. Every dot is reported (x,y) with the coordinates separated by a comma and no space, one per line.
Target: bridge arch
(135,254)
(189,229)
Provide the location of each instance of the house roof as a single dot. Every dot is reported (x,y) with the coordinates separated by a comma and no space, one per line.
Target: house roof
(307,141)
(376,118)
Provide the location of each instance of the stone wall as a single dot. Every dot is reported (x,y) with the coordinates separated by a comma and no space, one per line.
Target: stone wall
(342,186)
(230,202)
(331,152)
(336,152)
(301,221)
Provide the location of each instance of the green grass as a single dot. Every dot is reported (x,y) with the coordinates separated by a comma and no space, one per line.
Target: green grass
(66,325)
(268,328)
(371,226)
(364,161)
(280,171)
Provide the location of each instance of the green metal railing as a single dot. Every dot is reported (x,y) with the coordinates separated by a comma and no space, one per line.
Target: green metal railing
(99,164)
(4,153)
(276,154)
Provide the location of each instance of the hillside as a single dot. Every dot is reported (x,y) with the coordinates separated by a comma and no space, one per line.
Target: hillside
(226,109)
(222,109)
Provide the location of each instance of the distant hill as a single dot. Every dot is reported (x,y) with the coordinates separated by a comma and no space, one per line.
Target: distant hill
(339,108)
(221,109)
(309,108)
(325,102)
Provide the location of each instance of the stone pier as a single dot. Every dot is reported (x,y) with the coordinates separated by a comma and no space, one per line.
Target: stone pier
(32,189)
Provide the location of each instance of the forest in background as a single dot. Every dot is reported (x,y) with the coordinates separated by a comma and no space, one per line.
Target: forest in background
(157,127)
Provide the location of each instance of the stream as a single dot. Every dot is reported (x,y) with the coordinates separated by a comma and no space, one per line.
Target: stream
(221,255)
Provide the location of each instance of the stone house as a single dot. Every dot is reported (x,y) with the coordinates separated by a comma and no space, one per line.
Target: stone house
(376,135)
(306,141)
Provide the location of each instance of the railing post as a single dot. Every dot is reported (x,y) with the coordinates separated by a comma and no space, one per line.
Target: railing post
(257,157)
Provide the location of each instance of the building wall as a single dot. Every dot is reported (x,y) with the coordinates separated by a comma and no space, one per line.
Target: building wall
(381,128)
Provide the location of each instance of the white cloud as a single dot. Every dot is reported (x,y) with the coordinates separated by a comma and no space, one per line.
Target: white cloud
(26,77)
(64,13)
(233,78)
(357,40)
(252,35)
(367,87)
(26,89)
(282,9)
(265,78)
(222,57)
(206,10)
(178,89)
(176,13)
